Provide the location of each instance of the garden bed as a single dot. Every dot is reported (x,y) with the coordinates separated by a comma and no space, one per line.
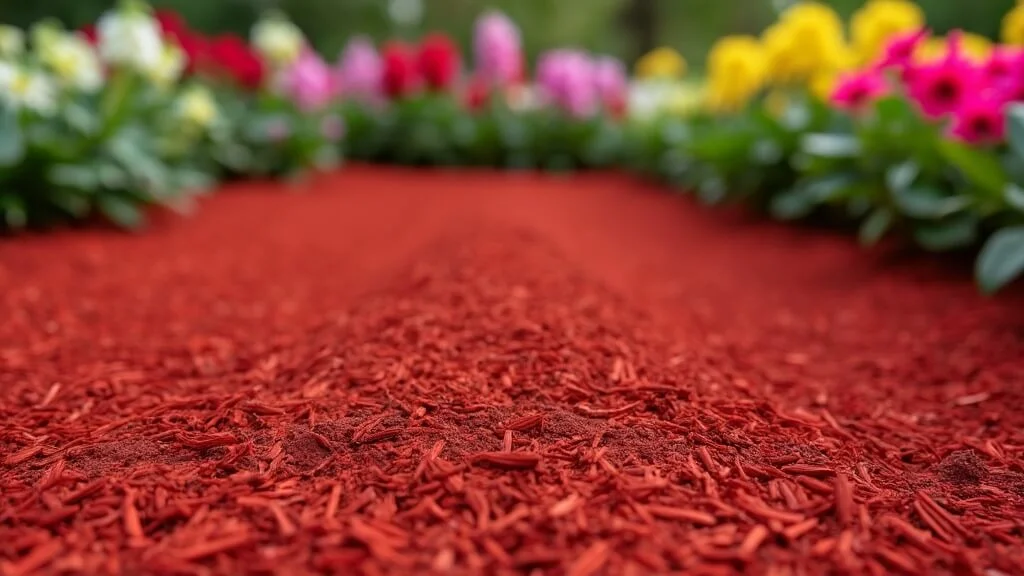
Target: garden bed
(465,372)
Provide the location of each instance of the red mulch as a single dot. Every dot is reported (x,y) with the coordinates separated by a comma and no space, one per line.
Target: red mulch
(407,373)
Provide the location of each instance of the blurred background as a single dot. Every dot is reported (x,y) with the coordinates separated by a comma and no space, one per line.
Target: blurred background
(626,28)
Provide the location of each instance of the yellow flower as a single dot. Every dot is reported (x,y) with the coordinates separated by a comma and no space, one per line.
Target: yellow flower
(976,48)
(172,64)
(736,72)
(877,22)
(661,62)
(197,107)
(807,39)
(1013,25)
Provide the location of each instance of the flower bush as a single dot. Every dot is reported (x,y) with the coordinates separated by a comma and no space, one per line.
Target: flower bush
(876,121)
(888,126)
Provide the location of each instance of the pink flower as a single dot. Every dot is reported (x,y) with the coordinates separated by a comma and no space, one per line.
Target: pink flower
(610,80)
(309,82)
(360,70)
(899,52)
(857,89)
(979,120)
(941,87)
(497,49)
(566,78)
(1003,73)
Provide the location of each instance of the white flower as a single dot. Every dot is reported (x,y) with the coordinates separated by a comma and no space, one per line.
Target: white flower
(278,40)
(172,64)
(28,89)
(197,107)
(12,41)
(74,62)
(131,39)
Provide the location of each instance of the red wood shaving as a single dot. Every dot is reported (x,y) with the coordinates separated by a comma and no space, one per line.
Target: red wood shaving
(399,374)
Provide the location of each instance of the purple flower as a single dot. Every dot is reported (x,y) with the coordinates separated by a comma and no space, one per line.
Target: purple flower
(360,70)
(566,79)
(308,81)
(497,49)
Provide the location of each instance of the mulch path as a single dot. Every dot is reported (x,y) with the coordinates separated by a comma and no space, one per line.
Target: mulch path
(397,372)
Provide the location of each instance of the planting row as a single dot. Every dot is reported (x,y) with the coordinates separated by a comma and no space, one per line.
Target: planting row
(877,122)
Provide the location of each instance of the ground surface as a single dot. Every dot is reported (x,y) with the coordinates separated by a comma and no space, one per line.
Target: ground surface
(405,373)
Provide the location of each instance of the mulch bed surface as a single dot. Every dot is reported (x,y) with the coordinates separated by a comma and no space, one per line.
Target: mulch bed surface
(397,372)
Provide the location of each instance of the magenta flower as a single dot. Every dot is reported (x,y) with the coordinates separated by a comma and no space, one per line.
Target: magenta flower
(979,120)
(497,49)
(566,79)
(610,80)
(1003,73)
(359,71)
(857,89)
(899,52)
(941,87)
(308,81)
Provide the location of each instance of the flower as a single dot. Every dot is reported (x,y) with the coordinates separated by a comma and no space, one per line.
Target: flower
(899,51)
(130,38)
(231,56)
(612,86)
(12,41)
(684,100)
(806,41)
(972,46)
(979,120)
(942,86)
(854,90)
(360,69)
(874,25)
(661,63)
(278,40)
(736,72)
(197,107)
(308,81)
(26,88)
(73,61)
(172,64)
(438,61)
(401,74)
(566,79)
(1013,26)
(478,93)
(497,49)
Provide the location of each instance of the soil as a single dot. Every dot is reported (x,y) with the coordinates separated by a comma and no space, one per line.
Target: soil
(398,372)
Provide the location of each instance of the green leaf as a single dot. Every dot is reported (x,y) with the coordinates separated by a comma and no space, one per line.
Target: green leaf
(75,176)
(793,204)
(952,233)
(902,175)
(831,145)
(928,203)
(121,211)
(874,227)
(1001,259)
(12,140)
(1014,196)
(1015,128)
(977,166)
(13,210)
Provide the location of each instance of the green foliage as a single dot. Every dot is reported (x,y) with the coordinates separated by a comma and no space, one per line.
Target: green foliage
(886,169)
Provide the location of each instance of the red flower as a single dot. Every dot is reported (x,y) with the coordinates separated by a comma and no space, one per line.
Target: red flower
(230,55)
(438,61)
(89,31)
(477,93)
(401,76)
(171,24)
